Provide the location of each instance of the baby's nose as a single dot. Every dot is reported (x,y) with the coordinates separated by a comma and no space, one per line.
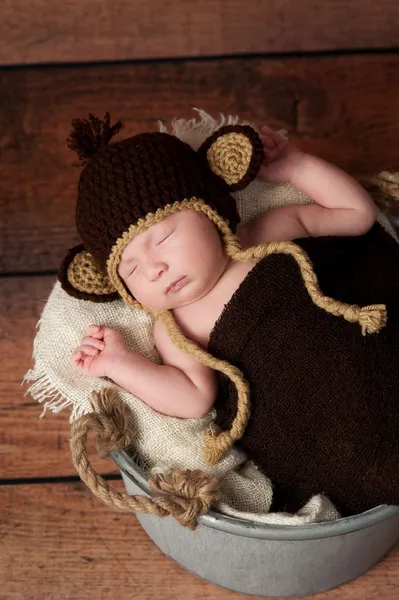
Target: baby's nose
(156,270)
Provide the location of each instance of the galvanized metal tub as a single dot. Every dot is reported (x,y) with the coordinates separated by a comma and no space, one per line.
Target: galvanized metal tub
(266,560)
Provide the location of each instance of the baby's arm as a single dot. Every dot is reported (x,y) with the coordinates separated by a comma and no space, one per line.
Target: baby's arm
(343,207)
(180,387)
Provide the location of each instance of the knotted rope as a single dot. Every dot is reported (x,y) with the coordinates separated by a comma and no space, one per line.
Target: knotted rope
(184,494)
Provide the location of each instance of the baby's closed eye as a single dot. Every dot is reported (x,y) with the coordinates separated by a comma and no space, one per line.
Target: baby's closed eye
(164,238)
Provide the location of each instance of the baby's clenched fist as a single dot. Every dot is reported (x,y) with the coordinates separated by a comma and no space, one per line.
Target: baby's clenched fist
(99,352)
(282,158)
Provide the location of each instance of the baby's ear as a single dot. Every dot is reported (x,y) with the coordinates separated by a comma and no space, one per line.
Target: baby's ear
(235,153)
(81,278)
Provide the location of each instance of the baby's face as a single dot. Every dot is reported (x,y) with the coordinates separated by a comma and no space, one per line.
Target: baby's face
(185,248)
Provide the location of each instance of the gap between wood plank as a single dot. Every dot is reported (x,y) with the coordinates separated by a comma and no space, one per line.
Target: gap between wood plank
(216,57)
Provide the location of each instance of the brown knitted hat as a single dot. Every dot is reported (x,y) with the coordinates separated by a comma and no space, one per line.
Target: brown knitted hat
(143,179)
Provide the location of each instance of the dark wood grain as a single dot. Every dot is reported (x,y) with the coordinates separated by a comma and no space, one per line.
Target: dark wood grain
(342,108)
(59,541)
(34,31)
(29,446)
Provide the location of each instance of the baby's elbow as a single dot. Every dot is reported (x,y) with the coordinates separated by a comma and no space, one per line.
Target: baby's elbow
(204,393)
(203,404)
(197,413)
(365,218)
(201,408)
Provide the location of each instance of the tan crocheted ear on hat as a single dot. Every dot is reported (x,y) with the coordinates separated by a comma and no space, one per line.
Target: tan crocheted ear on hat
(235,153)
(80,277)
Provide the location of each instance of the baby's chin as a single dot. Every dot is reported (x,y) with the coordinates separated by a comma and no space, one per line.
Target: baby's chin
(157,306)
(172,301)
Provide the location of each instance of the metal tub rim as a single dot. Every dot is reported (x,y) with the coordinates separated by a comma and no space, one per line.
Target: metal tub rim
(242,527)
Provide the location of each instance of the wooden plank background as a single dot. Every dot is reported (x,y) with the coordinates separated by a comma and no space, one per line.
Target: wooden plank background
(36,31)
(29,446)
(340,108)
(109,556)
(327,72)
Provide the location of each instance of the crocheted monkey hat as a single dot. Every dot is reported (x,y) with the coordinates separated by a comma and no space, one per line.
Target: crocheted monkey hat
(128,185)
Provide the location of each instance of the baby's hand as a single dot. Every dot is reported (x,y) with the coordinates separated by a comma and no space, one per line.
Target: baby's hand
(281,156)
(99,351)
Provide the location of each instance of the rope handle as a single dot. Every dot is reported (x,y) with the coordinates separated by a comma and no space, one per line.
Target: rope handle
(184,494)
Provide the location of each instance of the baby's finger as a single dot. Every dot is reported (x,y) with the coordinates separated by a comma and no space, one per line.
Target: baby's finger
(96,331)
(87,362)
(77,361)
(271,155)
(85,349)
(268,143)
(78,366)
(90,341)
(268,130)
(82,364)
(276,136)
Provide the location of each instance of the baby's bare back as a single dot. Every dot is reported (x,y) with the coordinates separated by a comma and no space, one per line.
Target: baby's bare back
(198,318)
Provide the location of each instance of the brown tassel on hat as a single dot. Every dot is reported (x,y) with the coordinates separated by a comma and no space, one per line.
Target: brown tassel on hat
(89,135)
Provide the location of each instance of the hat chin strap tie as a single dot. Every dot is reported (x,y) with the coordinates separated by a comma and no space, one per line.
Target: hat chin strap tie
(217,444)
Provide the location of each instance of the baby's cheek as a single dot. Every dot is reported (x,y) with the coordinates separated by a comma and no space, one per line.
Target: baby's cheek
(130,287)
(142,294)
(198,253)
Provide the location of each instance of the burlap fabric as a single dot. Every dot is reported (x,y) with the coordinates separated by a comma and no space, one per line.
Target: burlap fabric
(160,441)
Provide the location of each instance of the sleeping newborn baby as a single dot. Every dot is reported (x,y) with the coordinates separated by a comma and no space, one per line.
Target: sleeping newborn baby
(300,321)
(180,264)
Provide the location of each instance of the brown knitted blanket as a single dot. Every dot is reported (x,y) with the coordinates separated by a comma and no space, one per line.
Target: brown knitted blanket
(325,399)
